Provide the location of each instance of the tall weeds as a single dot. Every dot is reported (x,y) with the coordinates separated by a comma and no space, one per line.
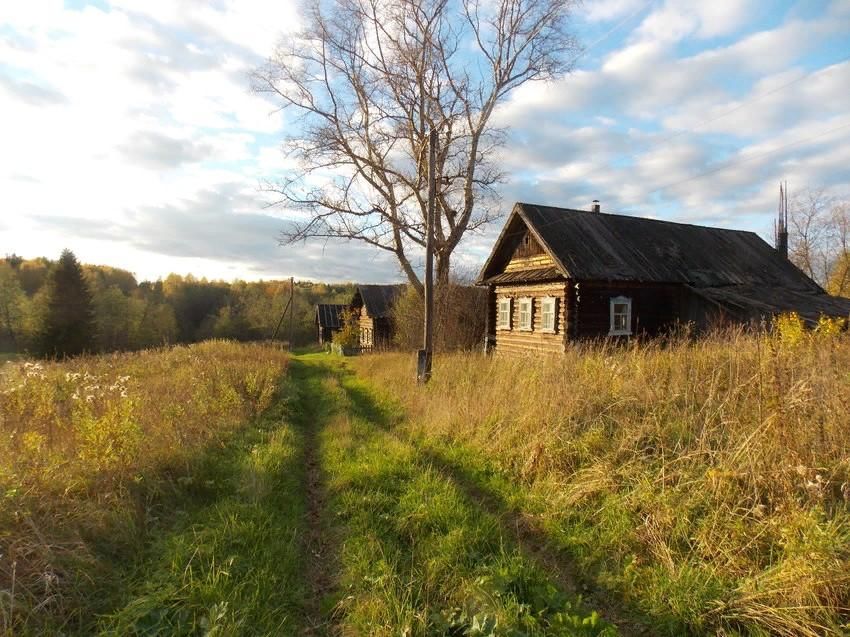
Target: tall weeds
(707,482)
(89,451)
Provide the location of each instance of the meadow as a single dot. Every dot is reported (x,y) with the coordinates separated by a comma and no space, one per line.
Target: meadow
(203,491)
(98,454)
(701,487)
(675,487)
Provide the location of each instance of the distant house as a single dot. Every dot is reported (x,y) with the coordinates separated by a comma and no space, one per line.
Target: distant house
(329,319)
(557,275)
(374,304)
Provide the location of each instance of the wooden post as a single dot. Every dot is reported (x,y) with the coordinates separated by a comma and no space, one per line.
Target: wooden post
(291,308)
(423,367)
(282,316)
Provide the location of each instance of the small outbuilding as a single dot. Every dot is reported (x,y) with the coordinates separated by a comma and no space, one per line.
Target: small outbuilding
(374,304)
(329,321)
(557,274)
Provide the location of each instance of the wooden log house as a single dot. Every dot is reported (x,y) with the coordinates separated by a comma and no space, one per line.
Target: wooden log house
(373,304)
(556,275)
(328,321)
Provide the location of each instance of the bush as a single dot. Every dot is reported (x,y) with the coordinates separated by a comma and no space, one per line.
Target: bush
(349,335)
(459,318)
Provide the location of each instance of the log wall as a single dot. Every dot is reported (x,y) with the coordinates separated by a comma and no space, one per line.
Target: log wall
(515,340)
(655,307)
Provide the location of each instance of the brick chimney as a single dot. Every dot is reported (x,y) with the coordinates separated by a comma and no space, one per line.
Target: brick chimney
(595,207)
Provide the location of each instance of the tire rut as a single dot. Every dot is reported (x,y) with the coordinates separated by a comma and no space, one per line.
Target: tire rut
(318,548)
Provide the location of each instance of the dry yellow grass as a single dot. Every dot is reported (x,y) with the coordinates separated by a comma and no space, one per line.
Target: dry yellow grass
(87,447)
(707,482)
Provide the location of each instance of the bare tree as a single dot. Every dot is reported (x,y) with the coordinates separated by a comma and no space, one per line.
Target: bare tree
(819,234)
(368,80)
(809,229)
(839,277)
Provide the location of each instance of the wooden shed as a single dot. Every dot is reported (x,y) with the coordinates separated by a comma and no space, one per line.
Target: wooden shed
(374,304)
(558,274)
(329,319)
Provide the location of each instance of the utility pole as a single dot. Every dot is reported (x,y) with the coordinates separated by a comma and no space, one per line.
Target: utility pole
(291,308)
(423,367)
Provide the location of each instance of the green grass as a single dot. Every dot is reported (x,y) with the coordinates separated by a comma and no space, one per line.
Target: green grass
(421,556)
(697,487)
(232,563)
(314,517)
(104,457)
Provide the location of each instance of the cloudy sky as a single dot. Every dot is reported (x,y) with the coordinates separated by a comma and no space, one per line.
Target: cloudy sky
(129,132)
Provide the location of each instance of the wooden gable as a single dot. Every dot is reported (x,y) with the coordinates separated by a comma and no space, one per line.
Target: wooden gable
(528,255)
(520,255)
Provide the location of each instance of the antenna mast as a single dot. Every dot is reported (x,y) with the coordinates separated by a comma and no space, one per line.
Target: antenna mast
(781,224)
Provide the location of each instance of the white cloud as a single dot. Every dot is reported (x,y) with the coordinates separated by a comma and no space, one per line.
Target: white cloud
(143,105)
(676,19)
(135,138)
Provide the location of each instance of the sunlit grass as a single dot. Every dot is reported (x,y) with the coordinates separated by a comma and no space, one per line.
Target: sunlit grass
(231,564)
(421,556)
(97,452)
(705,483)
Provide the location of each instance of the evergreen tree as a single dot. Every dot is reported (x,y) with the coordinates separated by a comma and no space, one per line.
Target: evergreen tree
(69,324)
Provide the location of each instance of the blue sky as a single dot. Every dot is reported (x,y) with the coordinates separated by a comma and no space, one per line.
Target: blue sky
(131,136)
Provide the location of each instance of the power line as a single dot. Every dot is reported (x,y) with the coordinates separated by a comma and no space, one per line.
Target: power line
(751,100)
(726,165)
(610,32)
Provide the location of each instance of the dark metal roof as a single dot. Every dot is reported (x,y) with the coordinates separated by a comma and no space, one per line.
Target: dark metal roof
(752,302)
(608,247)
(526,276)
(330,315)
(378,299)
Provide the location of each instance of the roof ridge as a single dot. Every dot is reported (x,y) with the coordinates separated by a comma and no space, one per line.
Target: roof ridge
(625,216)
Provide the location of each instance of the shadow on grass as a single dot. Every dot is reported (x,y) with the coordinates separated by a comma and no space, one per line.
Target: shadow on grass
(310,410)
(530,537)
(536,543)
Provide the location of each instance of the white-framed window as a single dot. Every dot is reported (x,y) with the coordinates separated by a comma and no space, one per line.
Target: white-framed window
(366,337)
(548,315)
(621,316)
(503,320)
(525,310)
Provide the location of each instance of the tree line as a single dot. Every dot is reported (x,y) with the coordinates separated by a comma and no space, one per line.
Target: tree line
(63,307)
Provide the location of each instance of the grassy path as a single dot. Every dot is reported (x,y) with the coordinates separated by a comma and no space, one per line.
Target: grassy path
(320,520)
(309,412)
(416,553)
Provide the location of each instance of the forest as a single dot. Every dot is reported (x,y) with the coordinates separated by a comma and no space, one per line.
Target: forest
(105,309)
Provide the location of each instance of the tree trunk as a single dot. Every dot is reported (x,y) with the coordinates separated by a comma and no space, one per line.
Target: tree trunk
(411,275)
(443,268)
